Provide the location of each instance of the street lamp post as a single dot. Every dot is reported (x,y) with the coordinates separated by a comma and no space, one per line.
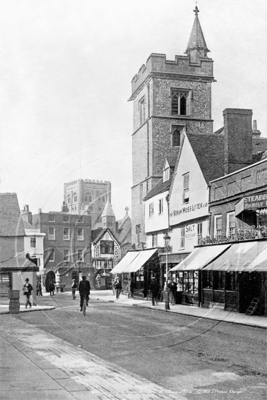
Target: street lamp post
(167,303)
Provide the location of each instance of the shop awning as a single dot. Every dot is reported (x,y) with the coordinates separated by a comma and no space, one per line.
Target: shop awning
(127,259)
(200,257)
(238,257)
(139,261)
(260,262)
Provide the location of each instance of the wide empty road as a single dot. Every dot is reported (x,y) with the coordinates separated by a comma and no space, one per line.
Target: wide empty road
(198,358)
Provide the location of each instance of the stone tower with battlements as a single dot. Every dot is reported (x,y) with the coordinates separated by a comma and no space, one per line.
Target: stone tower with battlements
(167,95)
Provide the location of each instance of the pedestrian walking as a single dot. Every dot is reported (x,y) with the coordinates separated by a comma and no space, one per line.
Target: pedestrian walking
(73,288)
(117,286)
(154,288)
(132,285)
(172,286)
(84,290)
(39,289)
(52,288)
(27,290)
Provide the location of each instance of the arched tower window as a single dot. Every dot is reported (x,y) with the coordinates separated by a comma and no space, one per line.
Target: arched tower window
(176,137)
(175,104)
(183,105)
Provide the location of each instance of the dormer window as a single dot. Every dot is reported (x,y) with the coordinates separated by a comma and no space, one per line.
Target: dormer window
(180,102)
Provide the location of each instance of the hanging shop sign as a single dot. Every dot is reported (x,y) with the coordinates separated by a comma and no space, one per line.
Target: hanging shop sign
(253,202)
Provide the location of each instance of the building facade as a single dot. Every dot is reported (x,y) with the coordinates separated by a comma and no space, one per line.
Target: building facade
(68,242)
(87,196)
(167,96)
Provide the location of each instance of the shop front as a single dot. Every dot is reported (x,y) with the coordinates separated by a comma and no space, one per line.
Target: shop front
(138,266)
(253,210)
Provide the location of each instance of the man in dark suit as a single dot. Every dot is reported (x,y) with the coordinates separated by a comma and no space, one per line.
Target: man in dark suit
(84,290)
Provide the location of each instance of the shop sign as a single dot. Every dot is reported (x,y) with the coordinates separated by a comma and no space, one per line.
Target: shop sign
(188,209)
(255,202)
(190,231)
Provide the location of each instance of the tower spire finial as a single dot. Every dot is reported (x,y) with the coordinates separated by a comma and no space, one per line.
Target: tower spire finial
(196,10)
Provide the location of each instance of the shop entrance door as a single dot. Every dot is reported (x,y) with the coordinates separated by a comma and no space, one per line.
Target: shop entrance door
(250,285)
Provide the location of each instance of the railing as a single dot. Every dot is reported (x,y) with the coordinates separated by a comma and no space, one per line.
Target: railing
(239,235)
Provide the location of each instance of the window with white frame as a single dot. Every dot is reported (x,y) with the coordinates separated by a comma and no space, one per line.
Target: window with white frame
(51,217)
(218,226)
(52,256)
(80,234)
(33,242)
(230,228)
(154,240)
(199,232)
(182,239)
(166,174)
(66,255)
(74,197)
(80,255)
(142,110)
(160,206)
(51,233)
(151,210)
(66,218)
(180,102)
(186,188)
(80,220)
(66,233)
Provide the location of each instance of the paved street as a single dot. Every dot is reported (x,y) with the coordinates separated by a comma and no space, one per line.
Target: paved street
(192,357)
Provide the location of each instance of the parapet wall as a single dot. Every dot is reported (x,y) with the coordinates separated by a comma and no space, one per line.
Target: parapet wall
(87,181)
(157,64)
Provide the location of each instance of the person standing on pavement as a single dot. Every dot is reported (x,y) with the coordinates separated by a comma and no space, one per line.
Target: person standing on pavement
(154,288)
(117,286)
(52,288)
(84,290)
(132,288)
(39,289)
(27,290)
(172,286)
(73,288)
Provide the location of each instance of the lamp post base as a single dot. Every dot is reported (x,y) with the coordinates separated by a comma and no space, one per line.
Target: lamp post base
(166,299)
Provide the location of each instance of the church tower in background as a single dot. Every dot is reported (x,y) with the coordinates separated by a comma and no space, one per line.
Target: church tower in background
(167,96)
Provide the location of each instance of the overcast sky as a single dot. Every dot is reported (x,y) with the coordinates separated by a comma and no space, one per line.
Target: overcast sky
(65,78)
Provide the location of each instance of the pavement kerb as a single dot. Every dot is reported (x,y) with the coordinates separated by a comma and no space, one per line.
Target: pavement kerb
(201,316)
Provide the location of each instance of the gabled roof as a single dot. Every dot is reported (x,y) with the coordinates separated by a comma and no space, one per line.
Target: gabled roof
(160,187)
(101,234)
(11,223)
(209,152)
(18,264)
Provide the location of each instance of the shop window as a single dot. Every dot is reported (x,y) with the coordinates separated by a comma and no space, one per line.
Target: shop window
(51,233)
(230,281)
(207,279)
(186,188)
(182,239)
(218,226)
(33,242)
(218,280)
(230,225)
(160,206)
(106,247)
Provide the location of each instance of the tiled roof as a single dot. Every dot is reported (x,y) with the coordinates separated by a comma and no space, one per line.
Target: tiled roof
(209,152)
(160,187)
(102,232)
(11,223)
(172,160)
(259,145)
(18,264)
(27,225)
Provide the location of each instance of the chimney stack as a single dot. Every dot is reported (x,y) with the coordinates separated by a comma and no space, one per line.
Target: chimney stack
(237,139)
(255,131)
